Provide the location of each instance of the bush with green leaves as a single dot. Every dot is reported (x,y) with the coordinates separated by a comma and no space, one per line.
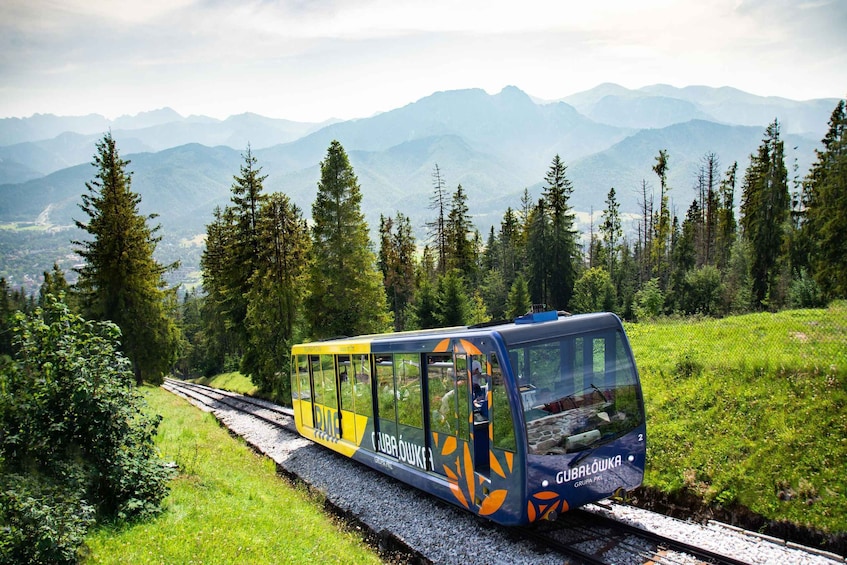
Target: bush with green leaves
(75,434)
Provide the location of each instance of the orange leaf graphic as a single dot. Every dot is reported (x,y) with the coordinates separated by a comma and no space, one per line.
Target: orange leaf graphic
(449,446)
(460,496)
(493,503)
(545,495)
(495,465)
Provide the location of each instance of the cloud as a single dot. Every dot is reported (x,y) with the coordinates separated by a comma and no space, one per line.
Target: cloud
(319,58)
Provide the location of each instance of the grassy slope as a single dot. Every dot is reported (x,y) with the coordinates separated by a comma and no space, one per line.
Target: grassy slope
(226,506)
(750,409)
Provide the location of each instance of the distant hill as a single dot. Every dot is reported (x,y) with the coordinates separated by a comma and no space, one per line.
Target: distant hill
(495,146)
(661,105)
(43,144)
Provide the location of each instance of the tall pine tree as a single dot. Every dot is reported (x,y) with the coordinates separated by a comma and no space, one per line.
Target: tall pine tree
(764,212)
(276,293)
(826,208)
(120,281)
(347,295)
(562,251)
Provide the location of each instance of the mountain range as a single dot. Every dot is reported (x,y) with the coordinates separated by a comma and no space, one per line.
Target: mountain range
(495,146)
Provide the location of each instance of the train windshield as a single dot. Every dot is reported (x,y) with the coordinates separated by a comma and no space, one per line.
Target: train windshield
(578,391)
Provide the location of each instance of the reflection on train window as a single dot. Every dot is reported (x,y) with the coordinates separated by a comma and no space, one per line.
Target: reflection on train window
(300,383)
(407,372)
(503,429)
(345,383)
(576,392)
(323,375)
(361,380)
(440,380)
(384,367)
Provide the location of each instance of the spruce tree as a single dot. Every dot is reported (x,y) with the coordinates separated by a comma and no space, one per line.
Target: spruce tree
(562,252)
(397,263)
(218,330)
(726,224)
(660,244)
(826,208)
(437,227)
(120,281)
(460,254)
(611,231)
(347,295)
(275,295)
(242,251)
(764,212)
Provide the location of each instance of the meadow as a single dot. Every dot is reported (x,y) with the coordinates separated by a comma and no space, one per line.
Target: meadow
(750,410)
(227,505)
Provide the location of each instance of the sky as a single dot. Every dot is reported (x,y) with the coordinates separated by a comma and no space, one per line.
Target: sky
(312,60)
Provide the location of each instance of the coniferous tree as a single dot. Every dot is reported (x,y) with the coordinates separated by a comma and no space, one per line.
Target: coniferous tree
(425,306)
(242,251)
(276,294)
(218,329)
(726,224)
(644,243)
(453,305)
(537,248)
(397,263)
(764,212)
(55,284)
(437,227)
(460,249)
(347,295)
(511,246)
(707,181)
(826,208)
(611,231)
(660,248)
(519,301)
(120,281)
(562,251)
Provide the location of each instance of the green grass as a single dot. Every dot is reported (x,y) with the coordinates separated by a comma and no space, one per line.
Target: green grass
(226,506)
(750,410)
(235,382)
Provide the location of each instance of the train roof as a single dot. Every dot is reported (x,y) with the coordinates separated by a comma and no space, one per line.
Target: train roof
(528,328)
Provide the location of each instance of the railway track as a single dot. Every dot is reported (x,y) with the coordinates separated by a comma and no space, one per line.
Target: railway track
(596,539)
(578,536)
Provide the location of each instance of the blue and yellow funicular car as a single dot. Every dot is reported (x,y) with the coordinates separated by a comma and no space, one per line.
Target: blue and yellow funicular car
(512,421)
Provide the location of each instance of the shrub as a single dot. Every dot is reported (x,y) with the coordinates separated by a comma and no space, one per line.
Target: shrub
(649,301)
(594,292)
(75,427)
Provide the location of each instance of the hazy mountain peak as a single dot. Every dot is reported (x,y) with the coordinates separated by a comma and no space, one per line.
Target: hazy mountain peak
(147,119)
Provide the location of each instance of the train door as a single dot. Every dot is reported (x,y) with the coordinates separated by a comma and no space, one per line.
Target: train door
(480,383)
(327,417)
(449,410)
(400,408)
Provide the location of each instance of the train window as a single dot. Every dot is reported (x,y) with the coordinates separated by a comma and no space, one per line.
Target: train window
(449,398)
(345,383)
(502,424)
(303,387)
(577,392)
(440,379)
(384,367)
(361,380)
(407,371)
(323,375)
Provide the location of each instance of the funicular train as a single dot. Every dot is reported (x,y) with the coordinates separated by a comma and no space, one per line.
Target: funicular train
(515,422)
